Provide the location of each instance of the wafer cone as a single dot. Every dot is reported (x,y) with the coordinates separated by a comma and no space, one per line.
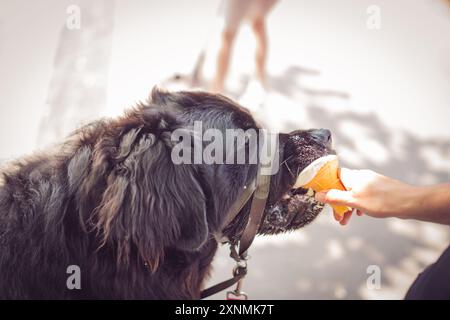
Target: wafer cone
(323,174)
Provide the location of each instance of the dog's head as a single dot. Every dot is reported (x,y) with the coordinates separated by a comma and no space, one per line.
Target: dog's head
(292,208)
(168,184)
(223,180)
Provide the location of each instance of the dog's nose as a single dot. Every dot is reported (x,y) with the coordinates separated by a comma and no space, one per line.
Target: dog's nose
(322,136)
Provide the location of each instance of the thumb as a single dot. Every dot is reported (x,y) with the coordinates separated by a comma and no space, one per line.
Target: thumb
(334,196)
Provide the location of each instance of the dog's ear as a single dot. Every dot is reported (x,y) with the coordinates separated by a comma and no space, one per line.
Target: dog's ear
(150,202)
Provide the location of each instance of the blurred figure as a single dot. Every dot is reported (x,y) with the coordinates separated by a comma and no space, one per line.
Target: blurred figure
(236,11)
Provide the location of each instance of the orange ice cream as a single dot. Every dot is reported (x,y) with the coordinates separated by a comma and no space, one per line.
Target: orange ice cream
(323,174)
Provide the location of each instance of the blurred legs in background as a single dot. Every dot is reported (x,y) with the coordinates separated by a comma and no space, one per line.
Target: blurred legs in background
(259,28)
(223,59)
(235,11)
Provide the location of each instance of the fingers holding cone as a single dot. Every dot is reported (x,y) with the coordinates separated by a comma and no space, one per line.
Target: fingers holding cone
(323,176)
(340,202)
(346,218)
(343,220)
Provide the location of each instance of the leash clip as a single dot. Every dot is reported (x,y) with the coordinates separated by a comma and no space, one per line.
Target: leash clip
(241,259)
(238,294)
(240,270)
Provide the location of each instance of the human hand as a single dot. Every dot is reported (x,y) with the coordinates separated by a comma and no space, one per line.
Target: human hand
(370,193)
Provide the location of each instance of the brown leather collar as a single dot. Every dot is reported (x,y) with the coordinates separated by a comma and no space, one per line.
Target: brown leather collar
(259,188)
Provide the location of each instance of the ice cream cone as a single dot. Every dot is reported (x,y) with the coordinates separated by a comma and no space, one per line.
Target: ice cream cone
(323,174)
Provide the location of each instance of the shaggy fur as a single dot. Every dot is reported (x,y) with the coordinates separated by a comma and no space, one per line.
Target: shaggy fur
(111,201)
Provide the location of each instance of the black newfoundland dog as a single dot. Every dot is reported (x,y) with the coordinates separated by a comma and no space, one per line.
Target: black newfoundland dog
(111,202)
